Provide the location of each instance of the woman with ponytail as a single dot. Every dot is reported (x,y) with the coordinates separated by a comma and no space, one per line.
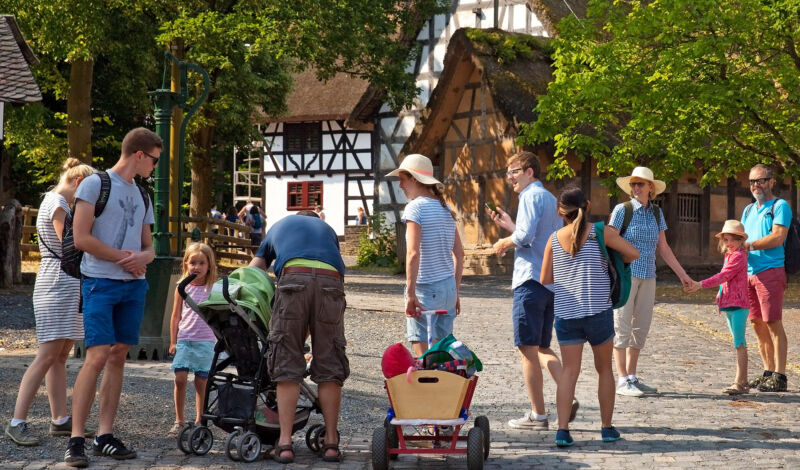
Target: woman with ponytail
(578,271)
(55,305)
(434,253)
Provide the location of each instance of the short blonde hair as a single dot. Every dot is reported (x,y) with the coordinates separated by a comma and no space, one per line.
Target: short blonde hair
(206,250)
(73,169)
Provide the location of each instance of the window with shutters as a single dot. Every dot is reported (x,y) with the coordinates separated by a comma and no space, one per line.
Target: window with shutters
(303,137)
(302,195)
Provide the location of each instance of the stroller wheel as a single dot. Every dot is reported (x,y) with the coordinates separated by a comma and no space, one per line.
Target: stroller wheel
(201,440)
(319,436)
(311,438)
(249,447)
(232,445)
(183,439)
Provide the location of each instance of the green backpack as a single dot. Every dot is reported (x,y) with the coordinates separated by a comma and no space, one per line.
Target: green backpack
(619,272)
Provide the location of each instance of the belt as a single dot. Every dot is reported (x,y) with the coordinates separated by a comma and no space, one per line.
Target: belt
(312,271)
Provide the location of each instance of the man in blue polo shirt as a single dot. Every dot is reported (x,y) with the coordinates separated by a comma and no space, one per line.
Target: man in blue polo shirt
(309,298)
(532,311)
(766,223)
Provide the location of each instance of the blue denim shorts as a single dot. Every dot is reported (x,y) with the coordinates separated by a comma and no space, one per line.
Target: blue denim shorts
(532,315)
(112,310)
(439,295)
(193,356)
(597,329)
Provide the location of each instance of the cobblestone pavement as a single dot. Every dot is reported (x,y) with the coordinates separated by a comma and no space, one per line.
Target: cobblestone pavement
(689,424)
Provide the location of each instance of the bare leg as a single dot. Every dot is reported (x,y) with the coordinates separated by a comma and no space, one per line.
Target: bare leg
(633,360)
(620,358)
(571,355)
(46,358)
(85,387)
(179,395)
(532,374)
(56,382)
(330,399)
(199,396)
(765,348)
(549,361)
(288,394)
(605,381)
(778,336)
(741,365)
(111,388)
(419,347)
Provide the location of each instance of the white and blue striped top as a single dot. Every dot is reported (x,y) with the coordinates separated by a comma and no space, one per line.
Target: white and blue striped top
(581,284)
(438,235)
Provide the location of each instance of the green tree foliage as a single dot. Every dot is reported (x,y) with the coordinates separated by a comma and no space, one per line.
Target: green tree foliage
(676,85)
(377,247)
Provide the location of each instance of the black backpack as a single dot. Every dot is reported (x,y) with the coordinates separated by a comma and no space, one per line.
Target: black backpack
(71,257)
(791,246)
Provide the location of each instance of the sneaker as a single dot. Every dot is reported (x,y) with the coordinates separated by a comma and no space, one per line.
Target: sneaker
(644,388)
(563,439)
(75,456)
(609,434)
(113,448)
(627,389)
(528,422)
(574,411)
(756,381)
(176,429)
(21,434)
(66,429)
(773,383)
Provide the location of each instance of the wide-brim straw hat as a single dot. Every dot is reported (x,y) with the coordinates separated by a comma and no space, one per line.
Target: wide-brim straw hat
(420,167)
(641,173)
(734,227)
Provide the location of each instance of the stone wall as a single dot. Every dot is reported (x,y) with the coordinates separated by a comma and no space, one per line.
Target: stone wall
(481,259)
(352,235)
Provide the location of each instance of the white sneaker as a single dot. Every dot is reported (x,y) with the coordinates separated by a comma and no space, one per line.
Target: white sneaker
(644,388)
(627,389)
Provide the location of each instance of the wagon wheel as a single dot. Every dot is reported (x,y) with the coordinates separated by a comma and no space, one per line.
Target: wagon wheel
(475,449)
(311,440)
(183,439)
(392,440)
(249,447)
(200,440)
(232,445)
(380,452)
(482,422)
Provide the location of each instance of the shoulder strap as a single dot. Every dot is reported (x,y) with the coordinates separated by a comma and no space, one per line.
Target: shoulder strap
(105,191)
(599,236)
(145,197)
(657,213)
(48,247)
(626,218)
(747,209)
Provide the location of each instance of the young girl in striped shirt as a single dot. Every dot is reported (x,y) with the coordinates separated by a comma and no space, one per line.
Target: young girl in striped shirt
(578,272)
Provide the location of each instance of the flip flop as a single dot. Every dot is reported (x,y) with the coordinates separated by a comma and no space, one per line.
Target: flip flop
(276,452)
(329,458)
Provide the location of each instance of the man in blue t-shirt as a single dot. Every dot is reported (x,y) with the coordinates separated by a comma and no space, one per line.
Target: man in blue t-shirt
(309,298)
(766,223)
(532,311)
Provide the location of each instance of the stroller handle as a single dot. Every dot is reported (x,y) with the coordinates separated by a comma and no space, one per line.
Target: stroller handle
(225,293)
(185,282)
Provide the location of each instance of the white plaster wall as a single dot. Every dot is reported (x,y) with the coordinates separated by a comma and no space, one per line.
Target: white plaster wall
(332,197)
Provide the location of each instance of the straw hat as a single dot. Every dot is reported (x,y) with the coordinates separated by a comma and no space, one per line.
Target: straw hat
(642,173)
(420,167)
(734,227)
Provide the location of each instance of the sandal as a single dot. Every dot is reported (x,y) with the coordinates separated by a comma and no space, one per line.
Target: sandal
(275,453)
(737,389)
(330,458)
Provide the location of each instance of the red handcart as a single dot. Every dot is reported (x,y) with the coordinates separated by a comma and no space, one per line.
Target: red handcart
(431,399)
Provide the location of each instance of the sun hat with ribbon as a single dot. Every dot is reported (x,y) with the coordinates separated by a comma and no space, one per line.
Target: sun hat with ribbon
(641,173)
(420,167)
(734,227)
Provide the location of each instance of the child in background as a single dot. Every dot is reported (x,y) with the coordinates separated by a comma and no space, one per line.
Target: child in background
(732,298)
(191,340)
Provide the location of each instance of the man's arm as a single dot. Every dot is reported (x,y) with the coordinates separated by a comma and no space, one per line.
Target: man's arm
(85,241)
(776,238)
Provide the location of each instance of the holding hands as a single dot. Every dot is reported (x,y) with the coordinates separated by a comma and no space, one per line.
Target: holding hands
(692,287)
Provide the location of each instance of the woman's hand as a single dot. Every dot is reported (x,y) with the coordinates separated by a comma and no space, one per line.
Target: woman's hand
(458,305)
(413,306)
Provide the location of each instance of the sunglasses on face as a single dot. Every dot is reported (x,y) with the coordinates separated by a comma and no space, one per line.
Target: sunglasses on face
(637,183)
(155,159)
(759,181)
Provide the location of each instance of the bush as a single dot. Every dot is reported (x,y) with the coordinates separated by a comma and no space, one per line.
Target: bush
(377,247)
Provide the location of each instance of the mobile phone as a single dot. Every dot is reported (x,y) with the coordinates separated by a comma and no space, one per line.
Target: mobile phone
(491,206)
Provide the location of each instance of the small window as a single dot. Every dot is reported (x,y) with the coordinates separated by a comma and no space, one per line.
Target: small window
(689,207)
(303,195)
(302,137)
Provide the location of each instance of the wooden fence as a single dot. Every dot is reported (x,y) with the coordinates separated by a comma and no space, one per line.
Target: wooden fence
(229,241)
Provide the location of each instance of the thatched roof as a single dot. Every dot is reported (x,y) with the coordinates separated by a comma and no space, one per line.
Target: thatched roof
(514,84)
(549,13)
(17,84)
(314,100)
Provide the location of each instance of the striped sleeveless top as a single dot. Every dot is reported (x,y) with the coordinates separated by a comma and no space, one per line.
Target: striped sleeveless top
(581,284)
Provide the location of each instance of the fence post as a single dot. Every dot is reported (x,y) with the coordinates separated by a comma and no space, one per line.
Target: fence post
(400,239)
(10,237)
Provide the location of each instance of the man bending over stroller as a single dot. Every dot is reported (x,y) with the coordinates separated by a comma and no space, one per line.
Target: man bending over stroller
(309,297)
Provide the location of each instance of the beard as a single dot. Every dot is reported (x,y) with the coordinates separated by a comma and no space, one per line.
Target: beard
(761,197)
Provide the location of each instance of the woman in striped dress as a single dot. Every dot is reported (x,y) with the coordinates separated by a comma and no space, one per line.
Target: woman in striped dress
(55,305)
(434,253)
(578,272)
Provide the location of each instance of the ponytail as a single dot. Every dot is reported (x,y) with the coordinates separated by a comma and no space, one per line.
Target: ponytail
(572,205)
(438,193)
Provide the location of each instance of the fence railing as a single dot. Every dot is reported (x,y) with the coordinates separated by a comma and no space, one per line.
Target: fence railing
(229,240)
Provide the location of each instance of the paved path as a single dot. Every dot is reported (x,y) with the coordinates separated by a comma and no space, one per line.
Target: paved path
(688,425)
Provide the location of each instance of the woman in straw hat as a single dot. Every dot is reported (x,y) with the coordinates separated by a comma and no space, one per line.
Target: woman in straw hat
(642,224)
(733,298)
(434,254)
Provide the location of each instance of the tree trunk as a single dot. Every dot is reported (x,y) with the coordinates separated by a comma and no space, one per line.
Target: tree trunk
(200,201)
(10,237)
(79,114)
